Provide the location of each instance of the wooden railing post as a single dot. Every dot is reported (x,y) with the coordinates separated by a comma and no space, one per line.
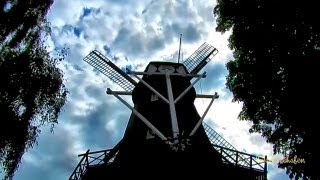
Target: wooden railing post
(87,158)
(237,155)
(265,167)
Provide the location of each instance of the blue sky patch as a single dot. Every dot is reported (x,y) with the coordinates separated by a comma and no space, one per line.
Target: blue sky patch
(77,31)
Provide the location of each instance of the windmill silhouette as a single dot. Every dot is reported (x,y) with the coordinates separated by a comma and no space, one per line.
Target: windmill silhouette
(165,136)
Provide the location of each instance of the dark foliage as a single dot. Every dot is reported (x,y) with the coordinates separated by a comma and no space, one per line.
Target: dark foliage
(268,39)
(31,90)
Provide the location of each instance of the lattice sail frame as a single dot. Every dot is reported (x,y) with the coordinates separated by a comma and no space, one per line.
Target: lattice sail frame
(229,151)
(196,61)
(106,67)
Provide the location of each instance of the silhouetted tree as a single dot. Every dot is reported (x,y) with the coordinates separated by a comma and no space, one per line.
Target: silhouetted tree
(31,86)
(268,38)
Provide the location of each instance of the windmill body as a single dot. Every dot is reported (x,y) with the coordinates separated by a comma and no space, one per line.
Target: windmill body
(165,137)
(142,151)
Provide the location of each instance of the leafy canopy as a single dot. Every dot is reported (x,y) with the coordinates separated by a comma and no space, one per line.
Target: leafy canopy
(268,38)
(32,92)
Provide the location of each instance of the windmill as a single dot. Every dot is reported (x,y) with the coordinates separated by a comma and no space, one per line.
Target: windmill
(165,136)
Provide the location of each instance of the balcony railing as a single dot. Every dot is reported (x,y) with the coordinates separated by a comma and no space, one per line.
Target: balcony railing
(91,159)
(229,156)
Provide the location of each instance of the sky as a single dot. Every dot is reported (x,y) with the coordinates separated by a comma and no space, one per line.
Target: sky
(130,33)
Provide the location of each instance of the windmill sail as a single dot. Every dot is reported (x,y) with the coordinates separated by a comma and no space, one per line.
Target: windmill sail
(200,58)
(106,67)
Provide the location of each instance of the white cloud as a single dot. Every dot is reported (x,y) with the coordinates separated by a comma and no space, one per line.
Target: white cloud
(65,12)
(220,41)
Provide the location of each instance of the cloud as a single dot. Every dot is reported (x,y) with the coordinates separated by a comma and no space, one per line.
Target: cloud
(65,12)
(216,76)
(275,173)
(102,125)
(53,158)
(127,32)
